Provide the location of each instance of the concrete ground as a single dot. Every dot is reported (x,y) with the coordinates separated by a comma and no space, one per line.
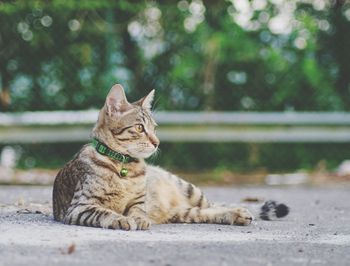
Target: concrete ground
(317,232)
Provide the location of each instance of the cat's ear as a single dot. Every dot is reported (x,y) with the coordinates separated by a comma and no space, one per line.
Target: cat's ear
(116,101)
(146,102)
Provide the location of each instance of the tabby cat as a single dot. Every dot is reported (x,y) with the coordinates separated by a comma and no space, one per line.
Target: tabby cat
(109,185)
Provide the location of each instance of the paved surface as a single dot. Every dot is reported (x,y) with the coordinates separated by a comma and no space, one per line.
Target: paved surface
(317,232)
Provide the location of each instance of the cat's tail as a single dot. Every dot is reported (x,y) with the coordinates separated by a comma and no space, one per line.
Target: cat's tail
(269,210)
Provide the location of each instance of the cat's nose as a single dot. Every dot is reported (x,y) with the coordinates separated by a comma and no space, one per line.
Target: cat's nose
(154,141)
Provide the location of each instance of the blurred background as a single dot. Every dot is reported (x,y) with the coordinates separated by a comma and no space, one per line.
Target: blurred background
(247,92)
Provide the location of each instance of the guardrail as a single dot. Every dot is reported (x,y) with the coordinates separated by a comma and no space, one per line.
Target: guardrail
(75,126)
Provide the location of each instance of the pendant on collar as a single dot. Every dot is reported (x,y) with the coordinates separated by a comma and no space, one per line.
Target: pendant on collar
(124,172)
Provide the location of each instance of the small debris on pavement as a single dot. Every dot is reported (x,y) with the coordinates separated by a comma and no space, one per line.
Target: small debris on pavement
(69,251)
(71,248)
(27,211)
(24,211)
(252,199)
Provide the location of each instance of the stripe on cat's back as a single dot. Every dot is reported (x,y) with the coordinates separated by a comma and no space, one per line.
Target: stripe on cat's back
(190,190)
(200,201)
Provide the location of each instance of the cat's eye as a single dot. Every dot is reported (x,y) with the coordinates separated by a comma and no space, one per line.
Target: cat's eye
(139,128)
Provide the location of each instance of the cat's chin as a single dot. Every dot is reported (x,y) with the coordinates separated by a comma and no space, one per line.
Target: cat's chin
(142,155)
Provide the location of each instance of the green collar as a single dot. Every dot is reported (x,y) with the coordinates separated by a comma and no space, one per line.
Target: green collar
(103,149)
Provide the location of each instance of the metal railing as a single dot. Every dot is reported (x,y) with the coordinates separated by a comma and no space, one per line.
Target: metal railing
(75,126)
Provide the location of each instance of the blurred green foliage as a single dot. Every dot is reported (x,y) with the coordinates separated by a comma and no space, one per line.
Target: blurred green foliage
(199,55)
(206,156)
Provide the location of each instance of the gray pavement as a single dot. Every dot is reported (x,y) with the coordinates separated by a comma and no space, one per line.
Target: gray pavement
(317,232)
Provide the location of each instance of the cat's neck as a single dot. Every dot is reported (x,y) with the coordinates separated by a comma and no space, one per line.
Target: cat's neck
(134,168)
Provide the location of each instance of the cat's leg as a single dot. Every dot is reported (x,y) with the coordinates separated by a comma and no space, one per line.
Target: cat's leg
(203,211)
(97,216)
(213,215)
(136,210)
(200,210)
(194,195)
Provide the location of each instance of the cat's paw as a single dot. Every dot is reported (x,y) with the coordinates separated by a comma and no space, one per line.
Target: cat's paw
(143,223)
(241,216)
(120,222)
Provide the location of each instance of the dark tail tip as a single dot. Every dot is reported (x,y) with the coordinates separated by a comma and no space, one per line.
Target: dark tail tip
(271,210)
(281,210)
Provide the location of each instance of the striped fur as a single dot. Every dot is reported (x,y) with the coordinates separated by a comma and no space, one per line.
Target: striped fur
(89,190)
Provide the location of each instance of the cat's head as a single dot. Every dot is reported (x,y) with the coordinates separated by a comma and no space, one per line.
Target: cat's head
(126,127)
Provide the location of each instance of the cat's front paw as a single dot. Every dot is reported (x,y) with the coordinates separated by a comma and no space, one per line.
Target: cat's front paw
(143,223)
(241,216)
(120,222)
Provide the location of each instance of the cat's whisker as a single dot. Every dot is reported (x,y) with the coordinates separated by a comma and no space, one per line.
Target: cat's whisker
(155,155)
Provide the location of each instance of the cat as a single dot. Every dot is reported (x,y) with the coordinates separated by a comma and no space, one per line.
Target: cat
(109,185)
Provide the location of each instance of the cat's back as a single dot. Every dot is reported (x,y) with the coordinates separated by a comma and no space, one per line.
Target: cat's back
(66,181)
